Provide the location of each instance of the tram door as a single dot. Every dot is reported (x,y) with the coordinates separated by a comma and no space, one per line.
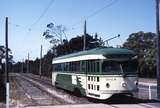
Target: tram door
(92,79)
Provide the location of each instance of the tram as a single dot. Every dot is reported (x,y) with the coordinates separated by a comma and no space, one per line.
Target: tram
(97,73)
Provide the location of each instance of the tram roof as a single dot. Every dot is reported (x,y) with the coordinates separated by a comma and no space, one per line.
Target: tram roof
(98,51)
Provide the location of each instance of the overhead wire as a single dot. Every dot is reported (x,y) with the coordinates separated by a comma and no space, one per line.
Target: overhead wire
(73,26)
(95,13)
(43,13)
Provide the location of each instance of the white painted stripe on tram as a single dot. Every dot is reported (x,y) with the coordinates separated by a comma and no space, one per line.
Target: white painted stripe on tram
(78,58)
(90,74)
(148,84)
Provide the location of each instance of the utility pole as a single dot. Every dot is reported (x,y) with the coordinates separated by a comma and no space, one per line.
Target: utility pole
(6,64)
(28,64)
(84,38)
(40,64)
(158,49)
(22,65)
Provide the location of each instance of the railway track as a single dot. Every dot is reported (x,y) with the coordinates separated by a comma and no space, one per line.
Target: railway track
(65,94)
(25,93)
(22,89)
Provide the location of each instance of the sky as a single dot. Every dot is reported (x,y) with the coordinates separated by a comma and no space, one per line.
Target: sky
(107,18)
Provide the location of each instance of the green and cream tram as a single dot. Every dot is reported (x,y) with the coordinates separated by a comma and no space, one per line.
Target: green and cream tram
(97,73)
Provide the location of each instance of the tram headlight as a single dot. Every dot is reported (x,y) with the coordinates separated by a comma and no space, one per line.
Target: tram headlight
(124,84)
(136,83)
(107,85)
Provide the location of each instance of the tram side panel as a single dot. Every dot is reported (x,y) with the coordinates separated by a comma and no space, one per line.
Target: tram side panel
(70,81)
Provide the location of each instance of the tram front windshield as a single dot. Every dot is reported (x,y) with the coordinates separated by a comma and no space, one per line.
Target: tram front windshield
(116,68)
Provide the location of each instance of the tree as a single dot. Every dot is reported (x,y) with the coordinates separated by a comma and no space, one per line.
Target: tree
(144,44)
(47,64)
(76,44)
(56,33)
(2,54)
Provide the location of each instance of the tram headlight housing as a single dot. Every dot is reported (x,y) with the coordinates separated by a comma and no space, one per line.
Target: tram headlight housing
(124,84)
(136,83)
(107,85)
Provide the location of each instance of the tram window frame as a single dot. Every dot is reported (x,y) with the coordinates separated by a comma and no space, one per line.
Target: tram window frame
(94,78)
(94,87)
(93,66)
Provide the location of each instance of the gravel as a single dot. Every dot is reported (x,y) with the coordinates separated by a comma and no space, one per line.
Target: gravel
(33,91)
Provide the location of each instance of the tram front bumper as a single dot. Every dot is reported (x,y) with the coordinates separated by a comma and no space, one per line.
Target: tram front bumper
(118,91)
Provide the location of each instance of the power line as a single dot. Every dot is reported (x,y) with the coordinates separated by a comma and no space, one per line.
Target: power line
(96,12)
(101,9)
(23,27)
(44,12)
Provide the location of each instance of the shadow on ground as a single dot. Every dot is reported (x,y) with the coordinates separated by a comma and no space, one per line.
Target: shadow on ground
(123,99)
(2,93)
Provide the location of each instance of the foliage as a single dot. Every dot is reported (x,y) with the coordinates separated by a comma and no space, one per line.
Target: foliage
(55,33)
(144,44)
(76,44)
(47,64)
(2,54)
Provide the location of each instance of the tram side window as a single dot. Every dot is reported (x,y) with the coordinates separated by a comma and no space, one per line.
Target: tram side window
(67,66)
(130,66)
(70,66)
(109,67)
(92,66)
(97,66)
(83,66)
(56,67)
(62,67)
(76,66)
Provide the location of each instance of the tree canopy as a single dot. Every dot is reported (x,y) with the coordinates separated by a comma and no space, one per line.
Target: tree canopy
(144,44)
(2,54)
